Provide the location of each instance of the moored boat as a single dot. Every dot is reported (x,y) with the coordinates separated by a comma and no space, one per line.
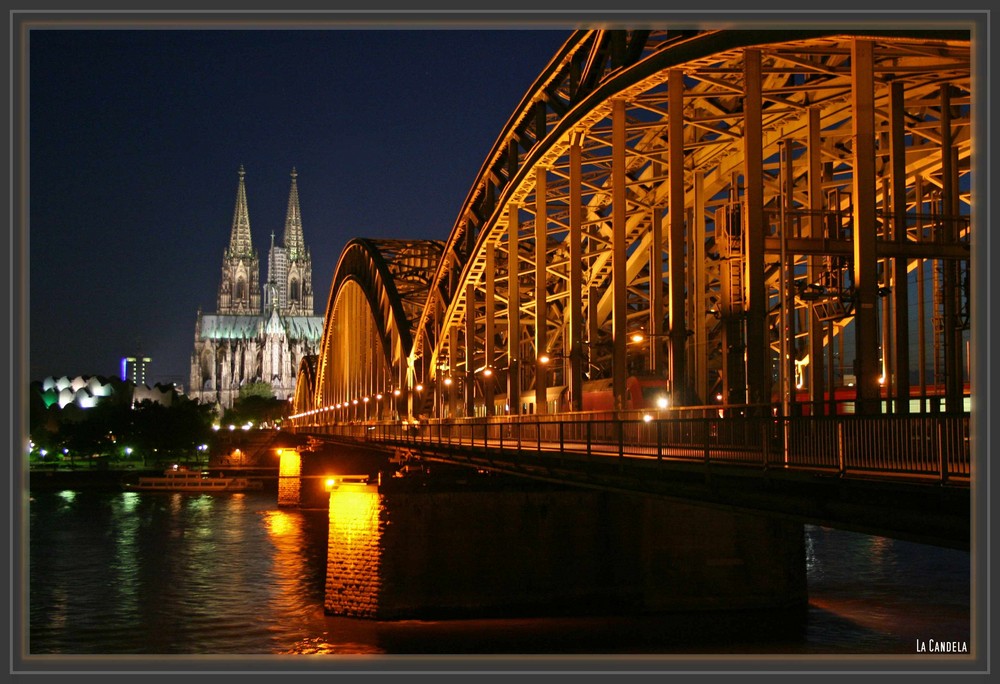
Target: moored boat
(183,480)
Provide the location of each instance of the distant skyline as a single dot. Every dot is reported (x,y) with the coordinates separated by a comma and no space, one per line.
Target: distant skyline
(136,138)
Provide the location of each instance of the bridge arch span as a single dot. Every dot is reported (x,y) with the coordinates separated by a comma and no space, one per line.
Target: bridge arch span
(378,289)
(792,210)
(741,218)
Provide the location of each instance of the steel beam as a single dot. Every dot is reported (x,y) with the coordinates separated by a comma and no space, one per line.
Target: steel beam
(899,376)
(699,308)
(675,240)
(865,228)
(758,362)
(575,307)
(541,282)
(953,374)
(619,286)
(513,309)
(490,325)
(470,349)
(816,327)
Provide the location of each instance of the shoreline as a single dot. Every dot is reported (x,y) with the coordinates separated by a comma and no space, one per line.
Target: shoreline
(105,479)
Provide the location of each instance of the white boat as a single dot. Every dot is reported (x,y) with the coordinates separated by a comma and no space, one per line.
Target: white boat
(183,480)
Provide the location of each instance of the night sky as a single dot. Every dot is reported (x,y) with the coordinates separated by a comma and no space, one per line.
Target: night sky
(136,138)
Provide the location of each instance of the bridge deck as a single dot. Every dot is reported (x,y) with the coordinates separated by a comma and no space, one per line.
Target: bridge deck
(900,476)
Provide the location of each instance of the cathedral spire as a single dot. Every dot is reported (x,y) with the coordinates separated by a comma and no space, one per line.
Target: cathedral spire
(239,291)
(293,241)
(240,244)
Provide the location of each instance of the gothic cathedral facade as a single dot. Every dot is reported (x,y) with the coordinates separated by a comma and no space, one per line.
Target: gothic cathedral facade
(258,333)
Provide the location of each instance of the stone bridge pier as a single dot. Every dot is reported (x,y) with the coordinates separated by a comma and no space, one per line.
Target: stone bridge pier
(404,552)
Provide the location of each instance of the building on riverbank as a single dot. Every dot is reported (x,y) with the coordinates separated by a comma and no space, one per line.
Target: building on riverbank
(257,334)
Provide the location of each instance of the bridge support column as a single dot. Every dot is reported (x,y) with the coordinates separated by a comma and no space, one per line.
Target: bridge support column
(513,309)
(470,350)
(575,311)
(864,239)
(541,281)
(758,361)
(619,284)
(899,367)
(289,477)
(815,326)
(488,343)
(675,241)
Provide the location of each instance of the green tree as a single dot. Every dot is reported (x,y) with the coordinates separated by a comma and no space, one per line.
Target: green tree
(256,404)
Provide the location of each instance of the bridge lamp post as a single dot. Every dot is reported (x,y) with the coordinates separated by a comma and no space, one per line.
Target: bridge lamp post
(486,373)
(446,386)
(365,400)
(418,390)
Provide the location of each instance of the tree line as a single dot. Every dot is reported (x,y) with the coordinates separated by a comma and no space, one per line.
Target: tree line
(118,427)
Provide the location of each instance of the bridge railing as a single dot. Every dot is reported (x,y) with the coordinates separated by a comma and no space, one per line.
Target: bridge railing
(928,446)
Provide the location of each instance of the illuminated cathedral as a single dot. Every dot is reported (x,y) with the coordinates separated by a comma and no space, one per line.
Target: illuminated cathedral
(258,333)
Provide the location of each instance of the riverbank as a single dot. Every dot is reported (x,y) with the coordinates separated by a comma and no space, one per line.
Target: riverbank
(82,478)
(108,479)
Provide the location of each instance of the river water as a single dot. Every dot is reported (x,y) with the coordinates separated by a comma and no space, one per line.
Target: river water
(113,573)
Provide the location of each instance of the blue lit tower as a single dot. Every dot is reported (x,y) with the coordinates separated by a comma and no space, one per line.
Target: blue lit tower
(138,365)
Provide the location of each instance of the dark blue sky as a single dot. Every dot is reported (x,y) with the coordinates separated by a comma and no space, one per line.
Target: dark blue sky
(136,137)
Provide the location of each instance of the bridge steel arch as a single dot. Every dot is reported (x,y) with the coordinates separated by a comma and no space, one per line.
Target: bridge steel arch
(378,290)
(741,214)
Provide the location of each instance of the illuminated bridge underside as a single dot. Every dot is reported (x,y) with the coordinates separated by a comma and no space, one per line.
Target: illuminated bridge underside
(772,211)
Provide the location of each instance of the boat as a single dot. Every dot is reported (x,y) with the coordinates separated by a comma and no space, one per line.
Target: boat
(183,480)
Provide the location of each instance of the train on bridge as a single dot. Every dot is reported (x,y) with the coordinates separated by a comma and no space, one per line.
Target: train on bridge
(642,392)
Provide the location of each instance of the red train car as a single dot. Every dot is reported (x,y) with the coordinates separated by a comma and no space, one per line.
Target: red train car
(641,392)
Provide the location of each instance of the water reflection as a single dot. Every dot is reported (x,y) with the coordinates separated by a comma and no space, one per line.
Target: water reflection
(886,593)
(148,573)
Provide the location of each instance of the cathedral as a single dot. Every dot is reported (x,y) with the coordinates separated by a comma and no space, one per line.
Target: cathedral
(258,334)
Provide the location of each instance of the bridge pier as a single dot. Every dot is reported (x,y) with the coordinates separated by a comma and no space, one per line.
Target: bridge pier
(405,554)
(289,477)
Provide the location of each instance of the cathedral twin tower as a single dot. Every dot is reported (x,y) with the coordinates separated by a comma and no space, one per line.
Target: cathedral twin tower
(258,334)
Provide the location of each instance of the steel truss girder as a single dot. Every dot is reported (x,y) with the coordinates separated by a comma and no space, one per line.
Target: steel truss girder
(379,289)
(712,149)
(807,83)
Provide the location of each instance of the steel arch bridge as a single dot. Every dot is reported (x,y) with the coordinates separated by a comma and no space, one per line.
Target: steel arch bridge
(711,218)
